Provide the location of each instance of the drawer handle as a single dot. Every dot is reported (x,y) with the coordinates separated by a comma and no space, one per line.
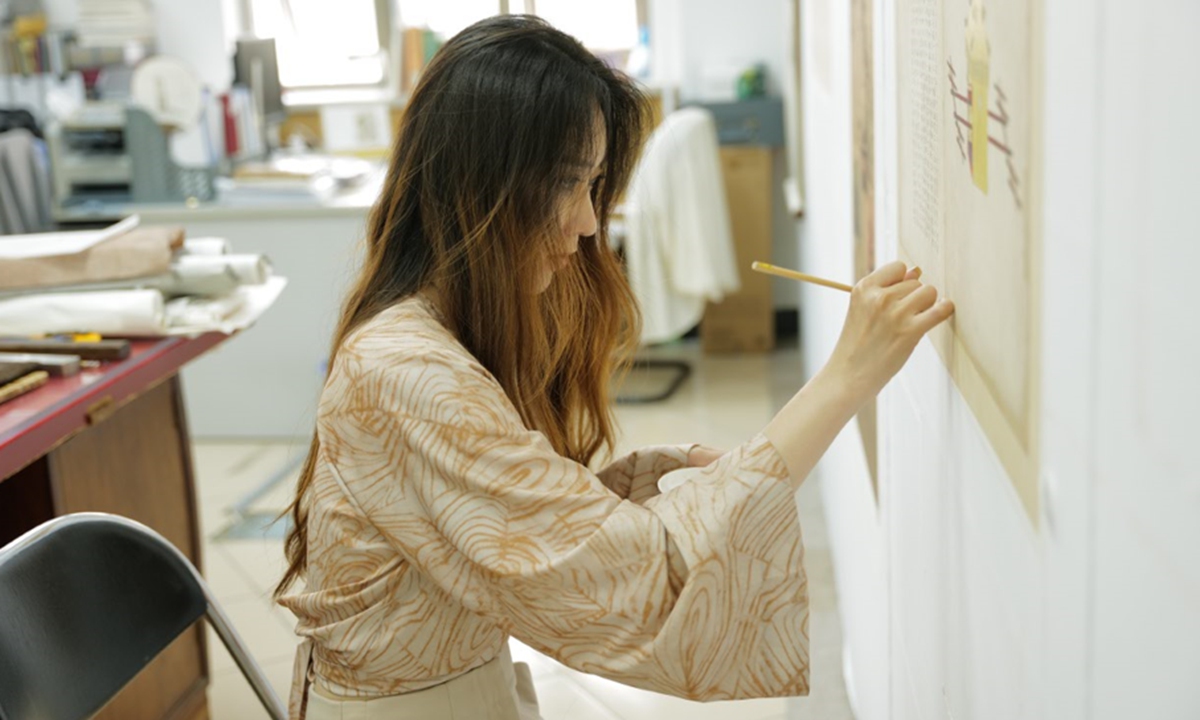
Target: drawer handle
(101,410)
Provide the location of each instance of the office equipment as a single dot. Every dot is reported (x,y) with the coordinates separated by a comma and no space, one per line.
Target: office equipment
(256,65)
(753,121)
(111,153)
(25,384)
(134,594)
(769,269)
(91,350)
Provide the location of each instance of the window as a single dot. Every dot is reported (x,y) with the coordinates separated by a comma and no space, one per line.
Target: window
(445,18)
(601,25)
(325,44)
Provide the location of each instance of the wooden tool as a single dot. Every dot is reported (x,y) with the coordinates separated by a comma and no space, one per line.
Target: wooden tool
(28,383)
(95,350)
(763,267)
(56,365)
(10,371)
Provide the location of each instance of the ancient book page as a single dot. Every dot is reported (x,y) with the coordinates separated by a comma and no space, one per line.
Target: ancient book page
(969,136)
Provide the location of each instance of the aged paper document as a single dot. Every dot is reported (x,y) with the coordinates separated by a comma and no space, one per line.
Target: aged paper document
(969,78)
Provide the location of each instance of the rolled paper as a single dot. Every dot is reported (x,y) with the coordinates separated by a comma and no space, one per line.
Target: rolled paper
(119,313)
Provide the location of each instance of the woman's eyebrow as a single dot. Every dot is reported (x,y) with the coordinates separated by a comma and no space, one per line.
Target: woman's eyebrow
(589,167)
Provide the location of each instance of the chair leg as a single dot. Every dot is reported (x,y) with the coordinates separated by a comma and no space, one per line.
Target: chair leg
(682,372)
(245,662)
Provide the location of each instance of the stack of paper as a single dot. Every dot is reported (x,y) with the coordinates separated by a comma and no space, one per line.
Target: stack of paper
(115,23)
(293,178)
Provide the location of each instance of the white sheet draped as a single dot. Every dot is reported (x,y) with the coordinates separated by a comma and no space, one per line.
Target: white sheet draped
(678,243)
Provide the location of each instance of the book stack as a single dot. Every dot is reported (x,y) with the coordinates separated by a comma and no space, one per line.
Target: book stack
(29,47)
(115,23)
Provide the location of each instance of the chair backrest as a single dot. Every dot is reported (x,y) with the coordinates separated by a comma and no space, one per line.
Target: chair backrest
(86,601)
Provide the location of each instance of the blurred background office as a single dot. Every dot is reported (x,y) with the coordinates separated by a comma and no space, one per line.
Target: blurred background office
(1051,570)
(265,125)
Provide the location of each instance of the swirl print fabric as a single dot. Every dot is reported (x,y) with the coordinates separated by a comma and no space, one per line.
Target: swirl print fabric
(439,526)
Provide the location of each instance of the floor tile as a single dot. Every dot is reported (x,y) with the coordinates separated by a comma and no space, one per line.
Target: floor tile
(266,632)
(261,561)
(225,579)
(230,696)
(634,704)
(559,698)
(540,666)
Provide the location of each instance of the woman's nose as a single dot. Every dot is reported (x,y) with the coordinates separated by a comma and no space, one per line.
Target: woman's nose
(584,222)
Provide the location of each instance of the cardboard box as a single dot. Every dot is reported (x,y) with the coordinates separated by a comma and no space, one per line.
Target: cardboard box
(745,321)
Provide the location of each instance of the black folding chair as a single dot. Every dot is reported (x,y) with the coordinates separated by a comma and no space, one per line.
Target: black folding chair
(88,600)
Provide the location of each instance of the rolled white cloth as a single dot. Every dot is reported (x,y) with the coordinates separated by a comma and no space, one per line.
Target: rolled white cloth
(203,311)
(116,312)
(206,246)
(248,269)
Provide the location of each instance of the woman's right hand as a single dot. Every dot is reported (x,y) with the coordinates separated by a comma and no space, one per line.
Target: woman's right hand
(890,311)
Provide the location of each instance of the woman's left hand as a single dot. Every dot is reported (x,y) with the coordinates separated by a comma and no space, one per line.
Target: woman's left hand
(702,456)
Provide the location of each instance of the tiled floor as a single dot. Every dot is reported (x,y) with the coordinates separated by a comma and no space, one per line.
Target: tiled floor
(726,402)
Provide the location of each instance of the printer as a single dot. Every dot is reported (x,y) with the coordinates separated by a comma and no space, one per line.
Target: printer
(107,152)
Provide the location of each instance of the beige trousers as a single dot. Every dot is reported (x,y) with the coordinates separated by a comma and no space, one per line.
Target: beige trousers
(498,690)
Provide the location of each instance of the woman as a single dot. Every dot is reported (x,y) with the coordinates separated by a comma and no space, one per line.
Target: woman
(447,502)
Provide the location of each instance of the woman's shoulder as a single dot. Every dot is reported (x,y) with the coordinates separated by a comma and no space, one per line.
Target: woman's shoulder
(407,341)
(407,330)
(406,355)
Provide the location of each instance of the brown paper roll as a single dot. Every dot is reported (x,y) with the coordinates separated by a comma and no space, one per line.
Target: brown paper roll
(141,252)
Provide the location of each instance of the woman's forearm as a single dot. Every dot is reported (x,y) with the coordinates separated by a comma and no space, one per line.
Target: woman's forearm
(805,428)
(890,311)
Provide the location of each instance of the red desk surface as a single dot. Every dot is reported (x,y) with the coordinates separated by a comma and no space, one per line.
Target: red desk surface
(36,423)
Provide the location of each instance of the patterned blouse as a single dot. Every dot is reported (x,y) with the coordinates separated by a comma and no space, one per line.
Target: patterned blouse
(439,525)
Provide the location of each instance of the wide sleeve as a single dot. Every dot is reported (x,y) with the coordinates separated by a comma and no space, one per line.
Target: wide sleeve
(699,593)
(635,476)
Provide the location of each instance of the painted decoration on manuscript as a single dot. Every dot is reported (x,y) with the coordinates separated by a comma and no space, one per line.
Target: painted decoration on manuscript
(970,153)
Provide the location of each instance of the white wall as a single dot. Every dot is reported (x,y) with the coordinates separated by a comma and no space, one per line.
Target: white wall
(856,532)
(955,604)
(1146,633)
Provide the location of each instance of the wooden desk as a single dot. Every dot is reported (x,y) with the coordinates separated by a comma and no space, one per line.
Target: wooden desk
(115,439)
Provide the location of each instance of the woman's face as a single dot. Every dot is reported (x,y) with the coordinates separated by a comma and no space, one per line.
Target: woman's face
(576,215)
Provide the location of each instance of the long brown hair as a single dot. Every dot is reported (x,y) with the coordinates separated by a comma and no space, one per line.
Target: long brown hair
(492,135)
